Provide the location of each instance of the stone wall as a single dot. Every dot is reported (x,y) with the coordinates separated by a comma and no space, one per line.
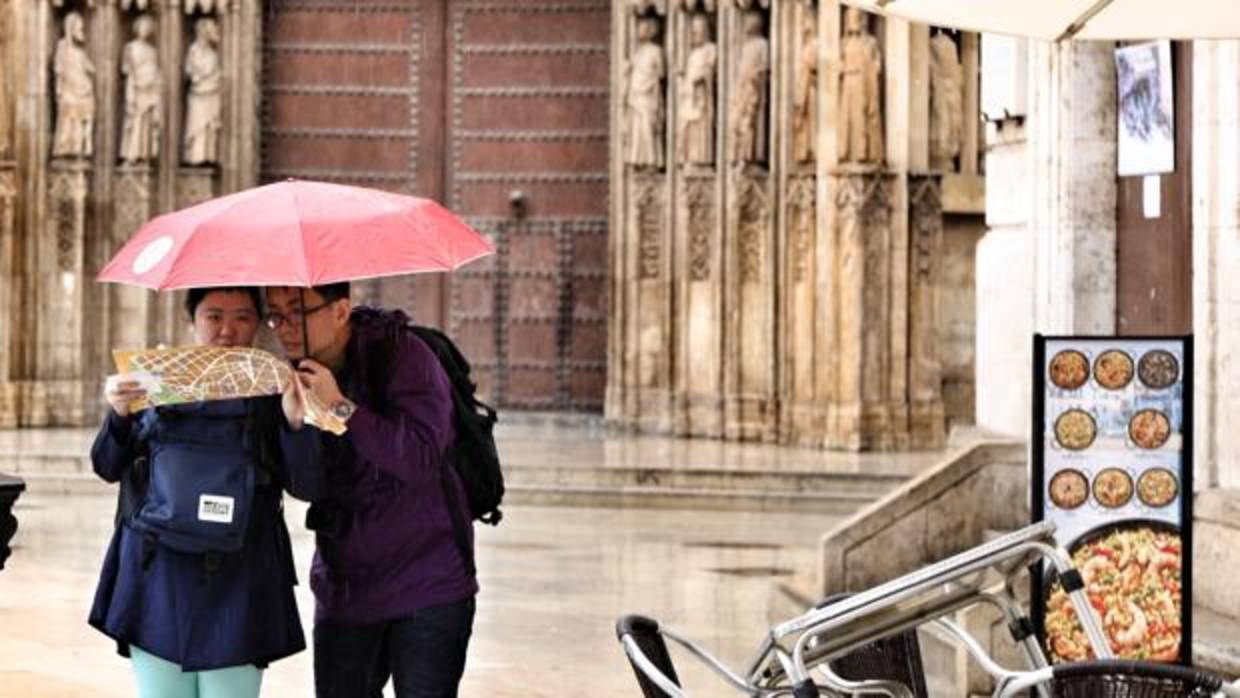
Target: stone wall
(781,267)
(110,112)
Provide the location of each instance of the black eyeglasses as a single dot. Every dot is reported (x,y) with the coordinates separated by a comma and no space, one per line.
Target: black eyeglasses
(295,317)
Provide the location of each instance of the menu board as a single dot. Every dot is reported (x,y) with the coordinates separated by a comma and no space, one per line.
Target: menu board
(1112,468)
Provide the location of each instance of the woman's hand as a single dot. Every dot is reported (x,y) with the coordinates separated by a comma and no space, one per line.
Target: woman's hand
(120,391)
(294,403)
(318,379)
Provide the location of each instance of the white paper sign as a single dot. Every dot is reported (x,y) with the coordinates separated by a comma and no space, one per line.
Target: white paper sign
(1151,196)
(1146,110)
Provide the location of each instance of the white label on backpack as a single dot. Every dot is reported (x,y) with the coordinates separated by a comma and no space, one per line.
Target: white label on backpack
(215,508)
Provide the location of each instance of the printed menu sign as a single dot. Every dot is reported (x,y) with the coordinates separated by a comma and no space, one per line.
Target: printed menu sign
(1112,468)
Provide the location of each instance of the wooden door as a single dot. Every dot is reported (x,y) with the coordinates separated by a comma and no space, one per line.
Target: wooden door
(1154,254)
(474,103)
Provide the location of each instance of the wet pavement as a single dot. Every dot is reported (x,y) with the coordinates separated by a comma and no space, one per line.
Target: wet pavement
(554,581)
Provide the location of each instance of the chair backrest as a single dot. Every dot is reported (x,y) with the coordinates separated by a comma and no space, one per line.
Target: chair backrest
(645,632)
(1115,678)
(895,658)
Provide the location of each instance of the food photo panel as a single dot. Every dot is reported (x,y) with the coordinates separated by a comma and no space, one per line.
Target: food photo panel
(1112,468)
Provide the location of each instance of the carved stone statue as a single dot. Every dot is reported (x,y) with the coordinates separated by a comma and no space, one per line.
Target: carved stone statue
(805,97)
(946,102)
(859,126)
(202,105)
(697,95)
(750,98)
(75,92)
(143,95)
(643,98)
(205,6)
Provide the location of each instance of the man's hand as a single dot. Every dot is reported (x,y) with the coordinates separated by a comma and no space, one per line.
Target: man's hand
(121,390)
(319,380)
(294,403)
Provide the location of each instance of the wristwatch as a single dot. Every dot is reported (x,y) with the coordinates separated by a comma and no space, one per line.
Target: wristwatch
(342,409)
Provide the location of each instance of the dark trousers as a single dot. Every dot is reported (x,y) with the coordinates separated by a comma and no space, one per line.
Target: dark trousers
(423,653)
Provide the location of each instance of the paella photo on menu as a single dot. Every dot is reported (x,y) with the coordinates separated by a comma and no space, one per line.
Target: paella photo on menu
(1112,470)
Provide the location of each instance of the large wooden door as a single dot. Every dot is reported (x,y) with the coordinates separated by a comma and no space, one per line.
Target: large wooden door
(478,104)
(1154,254)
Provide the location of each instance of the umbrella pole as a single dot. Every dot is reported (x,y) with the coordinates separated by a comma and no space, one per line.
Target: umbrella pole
(305,324)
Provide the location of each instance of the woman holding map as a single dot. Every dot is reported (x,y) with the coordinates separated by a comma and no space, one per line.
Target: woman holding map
(197,583)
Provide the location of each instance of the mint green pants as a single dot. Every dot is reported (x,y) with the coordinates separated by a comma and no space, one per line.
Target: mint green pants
(160,678)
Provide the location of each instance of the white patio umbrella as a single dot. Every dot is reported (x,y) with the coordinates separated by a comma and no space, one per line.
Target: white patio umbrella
(1058,20)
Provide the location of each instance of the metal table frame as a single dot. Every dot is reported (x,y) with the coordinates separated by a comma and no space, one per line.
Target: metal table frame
(984,574)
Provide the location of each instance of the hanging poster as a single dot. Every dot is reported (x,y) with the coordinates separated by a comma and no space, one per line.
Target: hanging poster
(1112,468)
(1146,112)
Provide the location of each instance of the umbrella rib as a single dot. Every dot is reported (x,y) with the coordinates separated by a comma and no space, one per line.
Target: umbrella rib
(301,231)
(1076,26)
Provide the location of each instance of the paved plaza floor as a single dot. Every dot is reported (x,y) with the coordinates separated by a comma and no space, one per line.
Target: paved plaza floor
(553,582)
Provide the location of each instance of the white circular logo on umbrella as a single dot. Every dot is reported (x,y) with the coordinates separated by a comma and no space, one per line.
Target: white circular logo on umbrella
(152,254)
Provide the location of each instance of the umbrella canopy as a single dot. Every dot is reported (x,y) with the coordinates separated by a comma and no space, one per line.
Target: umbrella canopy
(295,233)
(1057,20)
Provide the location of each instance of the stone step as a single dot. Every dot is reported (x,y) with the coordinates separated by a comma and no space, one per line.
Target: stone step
(44,484)
(686,498)
(857,487)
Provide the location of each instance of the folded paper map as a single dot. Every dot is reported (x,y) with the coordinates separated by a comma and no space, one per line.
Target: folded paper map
(196,374)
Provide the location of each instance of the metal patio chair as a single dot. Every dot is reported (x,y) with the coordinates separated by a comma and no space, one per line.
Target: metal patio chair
(834,639)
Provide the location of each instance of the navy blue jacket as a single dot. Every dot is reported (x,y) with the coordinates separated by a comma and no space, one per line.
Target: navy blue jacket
(172,604)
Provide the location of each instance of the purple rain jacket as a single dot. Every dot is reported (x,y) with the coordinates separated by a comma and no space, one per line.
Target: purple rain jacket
(393,551)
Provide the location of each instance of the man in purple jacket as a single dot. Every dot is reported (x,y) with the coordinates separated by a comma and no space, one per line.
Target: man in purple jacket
(394,590)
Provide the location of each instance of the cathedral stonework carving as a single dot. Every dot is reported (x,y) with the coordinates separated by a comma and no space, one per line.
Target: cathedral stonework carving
(203,116)
(751,92)
(649,222)
(74,75)
(643,97)
(859,121)
(698,94)
(700,200)
(805,100)
(143,124)
(802,199)
(751,228)
(946,102)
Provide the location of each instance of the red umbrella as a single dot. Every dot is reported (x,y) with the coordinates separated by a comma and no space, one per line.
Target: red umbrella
(295,233)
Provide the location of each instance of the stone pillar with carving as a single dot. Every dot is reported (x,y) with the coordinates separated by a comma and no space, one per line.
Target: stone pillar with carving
(640,366)
(9,291)
(750,337)
(698,240)
(927,419)
(57,395)
(802,420)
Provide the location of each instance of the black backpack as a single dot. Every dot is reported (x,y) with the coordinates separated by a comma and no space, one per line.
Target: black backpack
(473,455)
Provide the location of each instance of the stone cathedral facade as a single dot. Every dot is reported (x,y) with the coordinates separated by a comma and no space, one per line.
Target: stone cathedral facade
(795,190)
(111,111)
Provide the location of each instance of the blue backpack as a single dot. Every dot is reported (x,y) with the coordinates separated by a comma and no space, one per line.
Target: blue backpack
(203,469)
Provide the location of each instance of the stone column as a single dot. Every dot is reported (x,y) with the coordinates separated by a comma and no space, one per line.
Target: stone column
(863,414)
(57,397)
(1216,257)
(1072,139)
(1050,253)
(136,189)
(8,296)
(640,366)
(697,110)
(750,343)
(802,419)
(927,421)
